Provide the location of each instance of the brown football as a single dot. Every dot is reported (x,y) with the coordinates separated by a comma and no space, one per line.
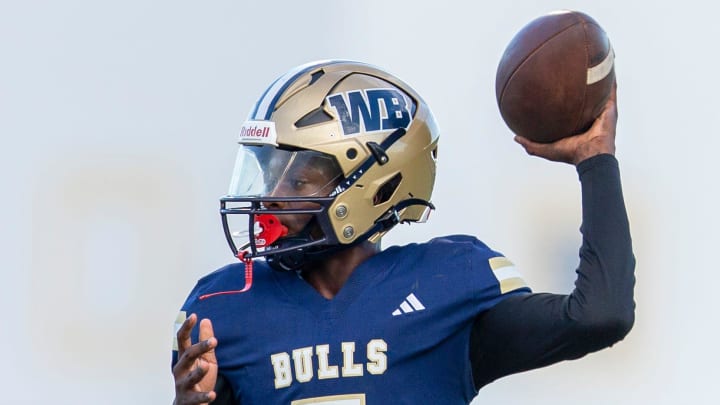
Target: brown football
(555,76)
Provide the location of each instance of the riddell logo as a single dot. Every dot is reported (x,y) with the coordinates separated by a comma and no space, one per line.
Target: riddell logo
(258,132)
(255,131)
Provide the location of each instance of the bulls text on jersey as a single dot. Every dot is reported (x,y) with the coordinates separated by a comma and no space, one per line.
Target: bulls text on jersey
(302,365)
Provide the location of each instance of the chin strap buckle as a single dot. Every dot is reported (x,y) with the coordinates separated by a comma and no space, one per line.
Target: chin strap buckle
(392,216)
(390,219)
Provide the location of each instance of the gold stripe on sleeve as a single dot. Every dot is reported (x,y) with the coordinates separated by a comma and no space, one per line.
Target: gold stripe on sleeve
(506,274)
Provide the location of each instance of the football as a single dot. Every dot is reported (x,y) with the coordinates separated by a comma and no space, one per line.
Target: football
(555,76)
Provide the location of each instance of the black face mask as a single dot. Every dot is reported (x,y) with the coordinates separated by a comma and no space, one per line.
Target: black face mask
(301,258)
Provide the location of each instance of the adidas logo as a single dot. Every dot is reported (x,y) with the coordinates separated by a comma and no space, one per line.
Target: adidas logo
(410,304)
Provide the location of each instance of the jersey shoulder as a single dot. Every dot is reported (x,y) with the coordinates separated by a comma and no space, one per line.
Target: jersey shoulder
(453,249)
(466,254)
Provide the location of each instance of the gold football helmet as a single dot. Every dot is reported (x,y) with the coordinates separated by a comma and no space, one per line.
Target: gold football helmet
(344,149)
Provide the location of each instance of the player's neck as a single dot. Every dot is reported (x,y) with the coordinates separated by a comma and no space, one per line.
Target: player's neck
(330,275)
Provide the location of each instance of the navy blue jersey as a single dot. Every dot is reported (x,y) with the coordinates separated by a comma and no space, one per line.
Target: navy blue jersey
(397,332)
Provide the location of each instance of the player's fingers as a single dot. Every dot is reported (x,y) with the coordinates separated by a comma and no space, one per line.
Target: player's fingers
(524,142)
(610,107)
(194,398)
(207,334)
(605,124)
(532,148)
(187,388)
(183,334)
(187,360)
(206,329)
(188,381)
(558,151)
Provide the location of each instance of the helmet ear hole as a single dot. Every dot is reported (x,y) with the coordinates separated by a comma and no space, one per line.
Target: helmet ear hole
(386,191)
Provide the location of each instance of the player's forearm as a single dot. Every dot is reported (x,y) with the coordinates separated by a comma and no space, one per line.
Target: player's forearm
(603,297)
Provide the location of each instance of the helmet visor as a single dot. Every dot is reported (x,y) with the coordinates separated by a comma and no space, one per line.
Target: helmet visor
(266,171)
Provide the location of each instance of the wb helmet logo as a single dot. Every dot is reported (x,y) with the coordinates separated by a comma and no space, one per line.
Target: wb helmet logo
(376,109)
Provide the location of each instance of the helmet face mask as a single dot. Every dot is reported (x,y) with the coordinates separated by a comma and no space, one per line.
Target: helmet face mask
(340,152)
(291,185)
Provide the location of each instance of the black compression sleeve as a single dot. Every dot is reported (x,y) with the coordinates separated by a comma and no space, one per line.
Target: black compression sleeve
(534,330)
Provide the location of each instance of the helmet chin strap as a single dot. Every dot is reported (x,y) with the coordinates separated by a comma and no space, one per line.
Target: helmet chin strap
(295,260)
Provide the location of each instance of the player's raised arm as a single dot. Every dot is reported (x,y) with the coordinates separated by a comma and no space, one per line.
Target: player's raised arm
(534,330)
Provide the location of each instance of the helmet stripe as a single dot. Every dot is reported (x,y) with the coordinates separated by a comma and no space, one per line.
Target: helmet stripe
(253,114)
(266,105)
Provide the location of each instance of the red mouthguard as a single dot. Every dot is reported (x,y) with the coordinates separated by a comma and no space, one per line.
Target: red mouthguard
(270,230)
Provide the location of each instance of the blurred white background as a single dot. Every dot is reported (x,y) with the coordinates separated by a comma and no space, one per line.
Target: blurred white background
(118,123)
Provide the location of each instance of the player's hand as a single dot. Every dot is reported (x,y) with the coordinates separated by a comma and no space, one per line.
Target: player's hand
(196,370)
(600,138)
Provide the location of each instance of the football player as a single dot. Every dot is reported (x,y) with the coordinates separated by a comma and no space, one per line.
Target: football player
(333,155)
